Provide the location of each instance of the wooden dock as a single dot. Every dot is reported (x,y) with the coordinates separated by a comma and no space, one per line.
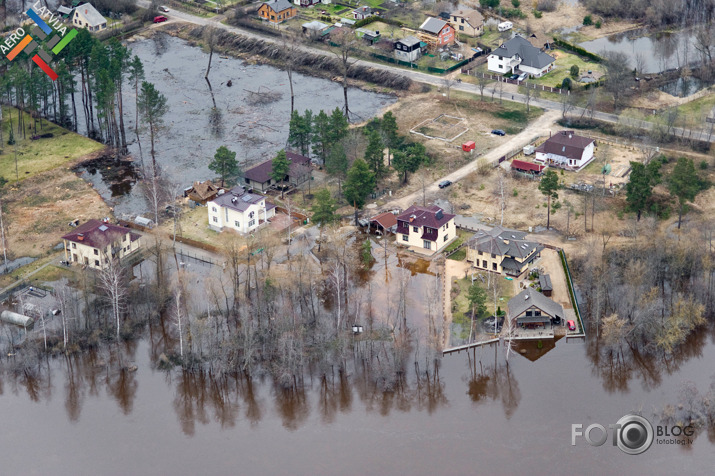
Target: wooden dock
(460,348)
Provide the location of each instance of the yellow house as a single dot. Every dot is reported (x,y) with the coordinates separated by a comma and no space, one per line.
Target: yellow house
(239,210)
(502,250)
(86,16)
(277,11)
(94,243)
(467,22)
(426,227)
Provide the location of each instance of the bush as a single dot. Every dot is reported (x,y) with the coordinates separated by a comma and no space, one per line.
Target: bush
(704,165)
(598,24)
(537,14)
(513,13)
(515,193)
(574,71)
(547,5)
(516,3)
(587,20)
(577,49)
(489,3)
(566,84)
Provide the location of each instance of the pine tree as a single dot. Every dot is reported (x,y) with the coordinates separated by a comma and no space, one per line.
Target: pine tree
(225,164)
(548,186)
(359,184)
(280,167)
(321,136)
(639,188)
(339,126)
(390,133)
(374,153)
(684,184)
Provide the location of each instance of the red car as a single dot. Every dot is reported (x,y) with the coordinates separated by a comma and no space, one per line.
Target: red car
(160,19)
(572,325)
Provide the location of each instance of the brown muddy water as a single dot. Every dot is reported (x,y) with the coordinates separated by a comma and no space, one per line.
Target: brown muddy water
(191,135)
(83,415)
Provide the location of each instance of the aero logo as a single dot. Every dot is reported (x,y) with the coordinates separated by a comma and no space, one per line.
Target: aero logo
(40,31)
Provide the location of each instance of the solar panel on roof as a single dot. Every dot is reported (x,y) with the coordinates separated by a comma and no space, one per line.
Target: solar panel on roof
(247,198)
(103,228)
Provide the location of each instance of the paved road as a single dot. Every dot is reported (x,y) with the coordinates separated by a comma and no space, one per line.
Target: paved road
(418,76)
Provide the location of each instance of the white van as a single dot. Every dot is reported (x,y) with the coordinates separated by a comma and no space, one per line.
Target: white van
(504,26)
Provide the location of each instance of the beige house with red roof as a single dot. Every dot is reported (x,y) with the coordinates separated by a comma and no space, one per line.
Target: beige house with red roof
(428,228)
(567,150)
(94,243)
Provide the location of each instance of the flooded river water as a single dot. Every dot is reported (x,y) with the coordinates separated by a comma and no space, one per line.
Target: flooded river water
(189,139)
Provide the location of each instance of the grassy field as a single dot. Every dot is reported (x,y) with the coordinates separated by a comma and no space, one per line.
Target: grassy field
(562,69)
(41,155)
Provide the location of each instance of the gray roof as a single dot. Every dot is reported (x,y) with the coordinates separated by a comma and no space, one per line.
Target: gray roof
(279,5)
(238,199)
(93,17)
(433,25)
(409,41)
(315,25)
(530,55)
(503,242)
(531,297)
(545,282)
(64,10)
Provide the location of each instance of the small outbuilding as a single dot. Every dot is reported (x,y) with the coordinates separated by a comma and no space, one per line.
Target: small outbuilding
(545,284)
(469,146)
(383,222)
(527,167)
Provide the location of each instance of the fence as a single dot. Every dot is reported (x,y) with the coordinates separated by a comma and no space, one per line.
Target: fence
(526,84)
(430,69)
(572,294)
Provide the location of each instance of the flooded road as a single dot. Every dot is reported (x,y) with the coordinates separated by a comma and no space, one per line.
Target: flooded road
(191,136)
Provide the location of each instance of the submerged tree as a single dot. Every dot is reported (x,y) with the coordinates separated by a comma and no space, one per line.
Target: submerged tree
(153,107)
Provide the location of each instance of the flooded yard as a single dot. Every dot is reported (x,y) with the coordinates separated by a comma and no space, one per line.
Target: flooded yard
(191,133)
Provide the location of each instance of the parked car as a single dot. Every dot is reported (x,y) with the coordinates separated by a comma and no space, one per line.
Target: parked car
(514,76)
(163,9)
(523,76)
(160,19)
(572,325)
(445,184)
(498,132)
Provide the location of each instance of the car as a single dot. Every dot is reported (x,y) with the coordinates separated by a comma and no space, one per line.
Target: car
(514,76)
(163,9)
(522,76)
(160,19)
(498,132)
(445,183)
(572,325)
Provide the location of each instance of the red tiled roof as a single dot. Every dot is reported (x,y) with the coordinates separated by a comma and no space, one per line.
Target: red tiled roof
(425,216)
(566,144)
(262,172)
(386,220)
(95,237)
(526,166)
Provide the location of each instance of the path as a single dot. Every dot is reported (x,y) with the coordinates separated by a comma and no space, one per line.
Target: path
(418,76)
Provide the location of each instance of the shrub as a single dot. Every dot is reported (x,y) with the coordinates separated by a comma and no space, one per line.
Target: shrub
(537,14)
(547,5)
(587,20)
(516,3)
(489,3)
(598,24)
(704,165)
(574,71)
(515,193)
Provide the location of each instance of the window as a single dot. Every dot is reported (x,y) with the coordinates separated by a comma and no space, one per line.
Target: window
(74,246)
(537,313)
(414,228)
(96,262)
(405,238)
(484,264)
(237,224)
(427,244)
(251,223)
(215,219)
(250,215)
(461,28)
(494,266)
(96,251)
(86,260)
(480,253)
(494,256)
(213,209)
(528,314)
(446,237)
(125,237)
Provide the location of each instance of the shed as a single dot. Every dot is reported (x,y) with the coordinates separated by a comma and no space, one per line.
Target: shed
(15,318)
(383,221)
(527,167)
(545,284)
(140,220)
(469,146)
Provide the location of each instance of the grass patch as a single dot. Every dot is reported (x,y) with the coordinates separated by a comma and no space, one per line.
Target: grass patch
(41,155)
(460,255)
(562,69)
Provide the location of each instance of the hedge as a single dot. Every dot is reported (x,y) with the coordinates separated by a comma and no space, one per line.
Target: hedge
(368,20)
(578,50)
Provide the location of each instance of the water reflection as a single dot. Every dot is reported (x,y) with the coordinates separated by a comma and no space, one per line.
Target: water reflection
(491,382)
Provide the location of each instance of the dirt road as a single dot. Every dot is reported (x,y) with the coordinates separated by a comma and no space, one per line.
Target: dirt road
(541,126)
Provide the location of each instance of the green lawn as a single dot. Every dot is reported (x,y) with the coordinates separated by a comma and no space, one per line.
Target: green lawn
(564,61)
(41,155)
(699,107)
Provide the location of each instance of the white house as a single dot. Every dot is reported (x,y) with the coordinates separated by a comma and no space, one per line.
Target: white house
(426,227)
(239,210)
(408,49)
(519,54)
(86,16)
(567,150)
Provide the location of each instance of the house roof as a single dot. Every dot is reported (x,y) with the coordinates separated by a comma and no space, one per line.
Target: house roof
(473,17)
(203,190)
(530,56)
(98,234)
(315,25)
(425,216)
(64,10)
(503,242)
(261,173)
(364,9)
(278,5)
(566,144)
(545,282)
(238,199)
(409,41)
(526,166)
(531,297)
(433,25)
(539,40)
(386,220)
(93,17)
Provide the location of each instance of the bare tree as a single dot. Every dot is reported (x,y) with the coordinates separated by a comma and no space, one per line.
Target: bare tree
(640,61)
(500,192)
(290,52)
(156,190)
(529,94)
(481,84)
(347,43)
(113,282)
(448,82)
(618,74)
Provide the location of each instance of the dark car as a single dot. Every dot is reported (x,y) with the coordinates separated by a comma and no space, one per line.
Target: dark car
(160,19)
(445,184)
(498,132)
(514,76)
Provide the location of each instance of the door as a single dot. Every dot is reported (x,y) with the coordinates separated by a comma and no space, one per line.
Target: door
(427,244)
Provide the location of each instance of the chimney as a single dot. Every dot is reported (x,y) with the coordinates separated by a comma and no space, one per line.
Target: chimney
(86,10)
(80,237)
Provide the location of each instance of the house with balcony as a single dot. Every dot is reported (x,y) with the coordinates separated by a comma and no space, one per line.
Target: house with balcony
(428,228)
(532,310)
(502,250)
(239,210)
(519,56)
(435,33)
(95,243)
